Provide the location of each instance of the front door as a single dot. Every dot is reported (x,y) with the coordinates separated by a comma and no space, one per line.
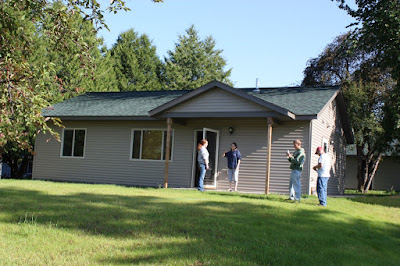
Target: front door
(212,136)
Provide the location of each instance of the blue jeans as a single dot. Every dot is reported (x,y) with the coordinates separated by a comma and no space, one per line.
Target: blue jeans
(202,175)
(295,185)
(322,189)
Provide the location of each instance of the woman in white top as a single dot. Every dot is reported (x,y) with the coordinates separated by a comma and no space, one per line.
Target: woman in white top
(202,159)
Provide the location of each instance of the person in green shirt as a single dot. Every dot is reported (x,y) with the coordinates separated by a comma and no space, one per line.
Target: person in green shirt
(296,164)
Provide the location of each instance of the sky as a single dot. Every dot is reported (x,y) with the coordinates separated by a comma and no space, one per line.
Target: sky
(271,40)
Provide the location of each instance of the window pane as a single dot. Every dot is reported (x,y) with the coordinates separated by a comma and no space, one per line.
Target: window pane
(67,142)
(165,145)
(79,143)
(152,140)
(136,144)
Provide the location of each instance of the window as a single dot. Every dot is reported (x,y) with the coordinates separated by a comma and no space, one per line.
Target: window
(325,145)
(150,144)
(73,144)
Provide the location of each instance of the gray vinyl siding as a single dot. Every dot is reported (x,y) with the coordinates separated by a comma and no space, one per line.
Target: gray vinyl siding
(218,100)
(328,126)
(386,177)
(251,138)
(283,136)
(107,157)
(108,149)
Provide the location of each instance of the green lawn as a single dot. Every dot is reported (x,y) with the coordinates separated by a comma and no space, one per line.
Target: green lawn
(43,223)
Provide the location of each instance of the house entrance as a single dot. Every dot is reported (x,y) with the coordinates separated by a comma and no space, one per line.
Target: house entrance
(212,137)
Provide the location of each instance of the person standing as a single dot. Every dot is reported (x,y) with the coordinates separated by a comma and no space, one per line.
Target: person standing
(203,160)
(323,168)
(234,158)
(296,164)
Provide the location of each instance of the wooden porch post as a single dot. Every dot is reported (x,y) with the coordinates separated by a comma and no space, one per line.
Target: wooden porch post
(268,155)
(167,151)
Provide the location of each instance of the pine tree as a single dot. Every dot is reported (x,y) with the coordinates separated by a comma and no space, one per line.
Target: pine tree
(194,62)
(136,64)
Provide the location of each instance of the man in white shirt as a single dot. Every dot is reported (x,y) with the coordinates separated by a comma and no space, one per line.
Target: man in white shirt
(323,167)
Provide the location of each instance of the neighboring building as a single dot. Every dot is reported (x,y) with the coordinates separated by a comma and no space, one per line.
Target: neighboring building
(387,175)
(5,170)
(121,138)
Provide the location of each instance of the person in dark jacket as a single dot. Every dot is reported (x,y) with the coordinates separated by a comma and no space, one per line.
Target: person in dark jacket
(234,158)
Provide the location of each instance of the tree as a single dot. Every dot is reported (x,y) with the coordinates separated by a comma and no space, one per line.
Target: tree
(194,62)
(136,64)
(104,75)
(366,89)
(378,29)
(25,82)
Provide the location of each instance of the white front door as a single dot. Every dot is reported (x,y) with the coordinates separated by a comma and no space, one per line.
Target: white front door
(212,136)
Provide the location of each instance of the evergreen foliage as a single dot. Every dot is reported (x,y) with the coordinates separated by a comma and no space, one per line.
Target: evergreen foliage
(194,62)
(136,64)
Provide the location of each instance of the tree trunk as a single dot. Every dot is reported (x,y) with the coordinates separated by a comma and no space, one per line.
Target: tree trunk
(373,167)
(367,166)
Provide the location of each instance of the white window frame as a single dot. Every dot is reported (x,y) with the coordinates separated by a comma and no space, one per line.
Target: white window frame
(73,144)
(141,144)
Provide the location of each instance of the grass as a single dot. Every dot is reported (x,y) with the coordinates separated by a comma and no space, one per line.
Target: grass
(46,223)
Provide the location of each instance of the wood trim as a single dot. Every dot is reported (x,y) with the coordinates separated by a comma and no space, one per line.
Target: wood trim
(220,114)
(269,143)
(167,152)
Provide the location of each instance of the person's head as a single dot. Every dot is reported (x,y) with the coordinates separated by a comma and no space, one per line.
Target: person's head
(319,151)
(202,143)
(297,144)
(233,146)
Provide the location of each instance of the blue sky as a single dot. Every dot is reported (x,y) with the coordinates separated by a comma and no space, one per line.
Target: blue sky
(266,39)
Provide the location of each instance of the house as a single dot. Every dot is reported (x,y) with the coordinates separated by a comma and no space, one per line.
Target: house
(149,138)
(386,176)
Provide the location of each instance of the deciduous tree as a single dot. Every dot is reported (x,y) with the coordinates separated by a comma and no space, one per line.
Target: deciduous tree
(26,83)
(366,89)
(377,29)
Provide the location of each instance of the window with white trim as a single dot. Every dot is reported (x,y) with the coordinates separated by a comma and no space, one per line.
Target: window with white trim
(73,143)
(150,144)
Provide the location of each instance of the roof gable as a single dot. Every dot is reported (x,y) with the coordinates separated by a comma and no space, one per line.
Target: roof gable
(217,100)
(218,85)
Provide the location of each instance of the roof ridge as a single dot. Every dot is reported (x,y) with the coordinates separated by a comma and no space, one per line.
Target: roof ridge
(109,92)
(292,87)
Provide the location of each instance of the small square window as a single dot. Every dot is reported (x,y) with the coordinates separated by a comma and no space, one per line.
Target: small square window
(73,144)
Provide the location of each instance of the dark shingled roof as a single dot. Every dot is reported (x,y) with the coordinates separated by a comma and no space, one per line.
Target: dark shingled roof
(298,100)
(136,103)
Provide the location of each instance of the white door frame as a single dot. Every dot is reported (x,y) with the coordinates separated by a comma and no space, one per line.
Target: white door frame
(216,155)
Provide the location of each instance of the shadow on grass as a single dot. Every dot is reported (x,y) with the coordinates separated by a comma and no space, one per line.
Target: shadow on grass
(209,231)
(382,200)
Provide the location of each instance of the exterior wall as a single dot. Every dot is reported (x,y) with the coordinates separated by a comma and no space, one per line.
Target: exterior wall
(328,126)
(107,154)
(386,177)
(283,136)
(218,100)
